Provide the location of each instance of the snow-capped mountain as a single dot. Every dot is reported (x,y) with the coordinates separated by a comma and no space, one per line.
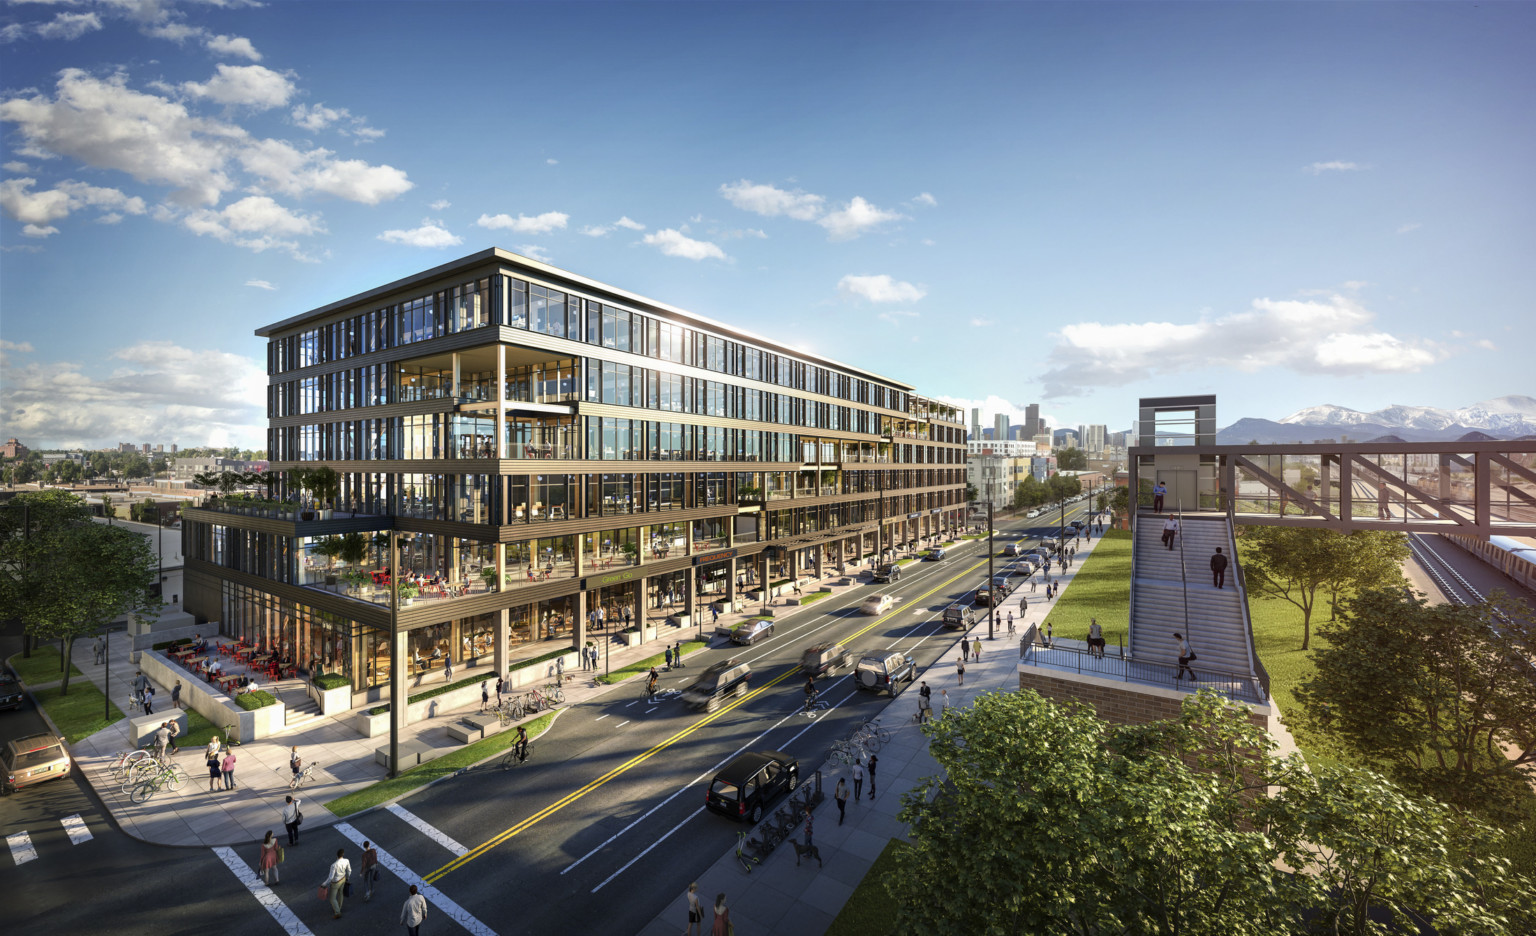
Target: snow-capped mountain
(1512,415)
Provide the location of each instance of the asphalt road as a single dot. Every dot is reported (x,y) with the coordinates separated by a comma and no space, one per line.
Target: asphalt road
(602,827)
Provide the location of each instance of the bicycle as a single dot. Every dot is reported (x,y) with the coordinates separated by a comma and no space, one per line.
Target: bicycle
(745,860)
(166,777)
(125,760)
(148,766)
(554,693)
(308,773)
(511,759)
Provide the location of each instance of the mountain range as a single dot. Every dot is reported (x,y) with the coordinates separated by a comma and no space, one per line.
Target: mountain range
(1505,417)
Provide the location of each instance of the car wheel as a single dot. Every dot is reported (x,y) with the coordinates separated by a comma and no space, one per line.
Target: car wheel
(757,814)
(712,705)
(770,634)
(794,781)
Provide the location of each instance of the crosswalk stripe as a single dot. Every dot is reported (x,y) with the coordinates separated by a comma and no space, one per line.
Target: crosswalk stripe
(434,896)
(21,847)
(76,828)
(430,831)
(274,905)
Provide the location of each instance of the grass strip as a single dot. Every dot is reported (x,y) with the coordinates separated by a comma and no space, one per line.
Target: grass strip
(814,596)
(79,714)
(1101,589)
(42,666)
(469,755)
(868,910)
(645,665)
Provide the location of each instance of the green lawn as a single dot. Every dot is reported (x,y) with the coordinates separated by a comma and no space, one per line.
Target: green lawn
(42,667)
(868,910)
(1101,589)
(466,756)
(1277,639)
(814,596)
(645,665)
(79,714)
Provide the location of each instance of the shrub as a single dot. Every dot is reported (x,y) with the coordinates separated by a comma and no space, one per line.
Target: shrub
(250,701)
(332,681)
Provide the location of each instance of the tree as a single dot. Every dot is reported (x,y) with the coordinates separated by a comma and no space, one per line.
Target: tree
(970,493)
(66,575)
(145,511)
(1433,695)
(1049,820)
(1071,459)
(1060,487)
(1297,565)
(1028,493)
(69,471)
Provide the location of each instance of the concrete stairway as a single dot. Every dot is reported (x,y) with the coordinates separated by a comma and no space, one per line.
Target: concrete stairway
(1214,622)
(301,710)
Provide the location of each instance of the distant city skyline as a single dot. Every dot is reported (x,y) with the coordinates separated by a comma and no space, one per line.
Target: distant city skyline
(1285,205)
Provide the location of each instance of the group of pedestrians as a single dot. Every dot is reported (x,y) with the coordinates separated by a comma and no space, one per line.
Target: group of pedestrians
(721,924)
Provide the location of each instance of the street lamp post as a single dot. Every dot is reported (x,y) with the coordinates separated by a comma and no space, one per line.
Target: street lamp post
(991,585)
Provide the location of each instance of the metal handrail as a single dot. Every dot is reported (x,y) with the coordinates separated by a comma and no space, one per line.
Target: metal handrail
(1183,571)
(1236,687)
(1254,663)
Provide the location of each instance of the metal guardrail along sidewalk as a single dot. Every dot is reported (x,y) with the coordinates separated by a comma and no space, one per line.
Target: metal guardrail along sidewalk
(1238,688)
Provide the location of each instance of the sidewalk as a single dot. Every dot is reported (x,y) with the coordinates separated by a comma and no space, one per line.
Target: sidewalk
(195,817)
(778,897)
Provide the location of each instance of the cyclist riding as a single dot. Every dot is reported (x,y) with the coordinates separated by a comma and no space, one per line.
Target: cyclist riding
(652,684)
(810,692)
(520,746)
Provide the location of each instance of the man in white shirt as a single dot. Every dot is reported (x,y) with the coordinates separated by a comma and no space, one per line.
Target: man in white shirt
(336,881)
(1186,654)
(1170,530)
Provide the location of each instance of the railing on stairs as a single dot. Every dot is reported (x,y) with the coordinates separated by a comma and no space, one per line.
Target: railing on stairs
(1259,672)
(1183,571)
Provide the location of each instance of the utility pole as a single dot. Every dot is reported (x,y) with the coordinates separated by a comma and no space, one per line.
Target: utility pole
(398,696)
(991,585)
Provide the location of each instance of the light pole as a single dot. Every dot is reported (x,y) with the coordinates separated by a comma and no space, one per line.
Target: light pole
(991,585)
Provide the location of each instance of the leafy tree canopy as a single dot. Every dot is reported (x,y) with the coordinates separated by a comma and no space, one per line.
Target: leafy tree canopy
(1300,566)
(1071,459)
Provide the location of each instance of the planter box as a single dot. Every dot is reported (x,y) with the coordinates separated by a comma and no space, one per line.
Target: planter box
(332,701)
(632,638)
(371,726)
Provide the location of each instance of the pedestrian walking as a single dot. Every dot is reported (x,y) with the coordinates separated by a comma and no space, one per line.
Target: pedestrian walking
(960,668)
(99,650)
(292,818)
(965,647)
(1158,490)
(370,869)
(295,762)
(626,617)
(714,610)
(335,882)
(1023,606)
(213,748)
(162,741)
(976,649)
(1010,623)
(227,770)
(176,694)
(677,654)
(943,702)
(695,925)
(485,695)
(1095,638)
(448,669)
(858,779)
(669,657)
(594,657)
(1170,530)
(840,796)
(1219,569)
(722,925)
(1050,640)
(500,682)
(149,699)
(559,670)
(413,913)
(271,855)
(1032,583)
(873,760)
(215,772)
(1186,656)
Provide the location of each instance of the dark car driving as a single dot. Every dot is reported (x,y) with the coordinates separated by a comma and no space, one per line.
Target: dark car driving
(744,787)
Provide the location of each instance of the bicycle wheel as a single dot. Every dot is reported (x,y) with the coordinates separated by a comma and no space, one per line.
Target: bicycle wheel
(518,711)
(557,695)
(174,781)
(884,734)
(872,744)
(504,715)
(142,792)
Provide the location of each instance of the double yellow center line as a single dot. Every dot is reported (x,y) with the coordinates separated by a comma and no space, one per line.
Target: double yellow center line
(572,797)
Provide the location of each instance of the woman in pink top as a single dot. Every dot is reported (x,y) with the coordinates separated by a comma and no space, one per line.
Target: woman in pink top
(268,863)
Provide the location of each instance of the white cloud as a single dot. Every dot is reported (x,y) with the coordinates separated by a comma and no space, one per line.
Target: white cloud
(261,284)
(1409,226)
(770,201)
(739,233)
(1486,345)
(1356,285)
(64,26)
(16,165)
(981,322)
(317,117)
(295,173)
(603,230)
(36,210)
(926,199)
(991,407)
(551,162)
(430,234)
(880,288)
(254,86)
(534,252)
(675,243)
(156,390)
(1332,336)
(233,46)
(929,242)
(442,204)
(522,224)
(626,222)
(855,218)
(255,222)
(23,347)
(1318,168)
(896,316)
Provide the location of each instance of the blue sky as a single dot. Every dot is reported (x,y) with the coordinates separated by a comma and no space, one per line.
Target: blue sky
(1078,205)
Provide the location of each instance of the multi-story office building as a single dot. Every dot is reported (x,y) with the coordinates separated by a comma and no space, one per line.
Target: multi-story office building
(1000,427)
(522,449)
(1094,438)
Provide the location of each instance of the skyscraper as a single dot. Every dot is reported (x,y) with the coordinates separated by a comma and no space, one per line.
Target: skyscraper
(1032,420)
(1000,426)
(976,422)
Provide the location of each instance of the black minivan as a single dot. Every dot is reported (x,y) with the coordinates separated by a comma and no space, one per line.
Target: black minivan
(743,788)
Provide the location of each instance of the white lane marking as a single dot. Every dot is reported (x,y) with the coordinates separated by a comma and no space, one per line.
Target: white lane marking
(285,918)
(627,706)
(710,773)
(429,830)
(598,718)
(21,847)
(75,826)
(619,725)
(434,896)
(648,849)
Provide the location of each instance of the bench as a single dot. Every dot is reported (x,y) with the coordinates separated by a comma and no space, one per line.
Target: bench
(410,754)
(474,727)
(142,728)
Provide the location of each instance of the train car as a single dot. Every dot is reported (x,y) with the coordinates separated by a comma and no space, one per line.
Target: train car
(1515,556)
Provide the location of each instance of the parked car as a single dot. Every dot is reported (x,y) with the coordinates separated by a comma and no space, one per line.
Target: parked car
(744,788)
(877,604)
(822,659)
(984,596)
(720,681)
(32,759)
(880,672)
(887,572)
(750,632)
(1001,586)
(935,555)
(958,617)
(1013,549)
(11,694)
